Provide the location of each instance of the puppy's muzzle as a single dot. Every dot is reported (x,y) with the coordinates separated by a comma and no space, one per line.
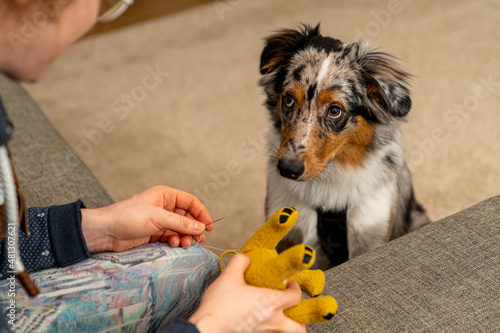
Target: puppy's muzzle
(290,168)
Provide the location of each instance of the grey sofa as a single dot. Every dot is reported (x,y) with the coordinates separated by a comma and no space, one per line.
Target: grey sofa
(444,277)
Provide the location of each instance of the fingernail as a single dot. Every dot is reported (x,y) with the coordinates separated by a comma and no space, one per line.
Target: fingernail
(198,226)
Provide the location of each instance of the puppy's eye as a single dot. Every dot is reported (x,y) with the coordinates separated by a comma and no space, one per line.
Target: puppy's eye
(288,101)
(334,112)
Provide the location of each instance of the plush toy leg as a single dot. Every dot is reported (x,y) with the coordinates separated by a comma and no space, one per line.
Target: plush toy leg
(311,282)
(286,264)
(271,233)
(313,310)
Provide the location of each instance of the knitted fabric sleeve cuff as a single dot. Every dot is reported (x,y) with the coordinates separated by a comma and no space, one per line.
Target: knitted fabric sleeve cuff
(65,233)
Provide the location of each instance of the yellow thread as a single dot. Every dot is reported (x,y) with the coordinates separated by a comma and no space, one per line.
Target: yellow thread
(222,257)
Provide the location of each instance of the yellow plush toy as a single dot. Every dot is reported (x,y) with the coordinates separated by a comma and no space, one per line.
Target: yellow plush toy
(272,270)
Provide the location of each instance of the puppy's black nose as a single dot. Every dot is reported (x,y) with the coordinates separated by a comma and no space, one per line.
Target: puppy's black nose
(290,168)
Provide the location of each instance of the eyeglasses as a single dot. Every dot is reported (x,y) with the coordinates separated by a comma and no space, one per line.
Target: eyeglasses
(114,11)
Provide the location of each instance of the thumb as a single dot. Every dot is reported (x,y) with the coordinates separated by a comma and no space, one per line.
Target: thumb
(237,266)
(291,296)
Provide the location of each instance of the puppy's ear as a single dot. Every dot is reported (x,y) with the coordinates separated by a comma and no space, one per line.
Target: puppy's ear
(387,92)
(280,47)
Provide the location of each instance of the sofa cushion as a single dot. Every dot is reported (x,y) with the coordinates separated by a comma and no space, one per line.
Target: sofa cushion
(48,169)
(442,277)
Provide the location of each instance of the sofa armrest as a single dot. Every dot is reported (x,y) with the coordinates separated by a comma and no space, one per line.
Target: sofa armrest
(442,277)
(48,169)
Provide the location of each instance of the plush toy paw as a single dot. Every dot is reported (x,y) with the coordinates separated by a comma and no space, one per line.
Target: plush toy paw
(272,270)
(313,310)
(311,282)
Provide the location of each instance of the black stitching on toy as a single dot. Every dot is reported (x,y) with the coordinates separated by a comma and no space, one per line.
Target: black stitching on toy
(307,258)
(329,316)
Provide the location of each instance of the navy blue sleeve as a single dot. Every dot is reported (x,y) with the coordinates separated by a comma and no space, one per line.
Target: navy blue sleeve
(5,125)
(180,326)
(65,233)
(56,238)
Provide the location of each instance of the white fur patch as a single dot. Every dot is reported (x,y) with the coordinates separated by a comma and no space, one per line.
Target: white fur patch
(324,70)
(368,222)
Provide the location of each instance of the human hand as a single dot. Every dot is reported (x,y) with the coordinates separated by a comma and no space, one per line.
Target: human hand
(159,214)
(231,305)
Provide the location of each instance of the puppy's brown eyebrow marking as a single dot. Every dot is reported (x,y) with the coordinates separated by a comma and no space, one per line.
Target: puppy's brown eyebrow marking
(298,94)
(328,96)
